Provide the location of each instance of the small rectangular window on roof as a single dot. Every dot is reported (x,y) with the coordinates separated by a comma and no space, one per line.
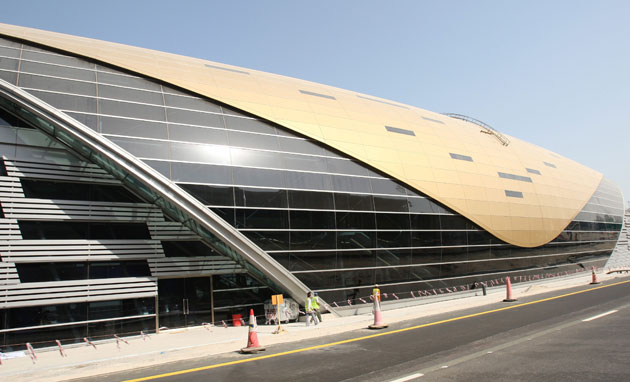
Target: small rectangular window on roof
(432,120)
(533,171)
(316,94)
(461,157)
(399,130)
(227,69)
(385,102)
(515,177)
(513,194)
(549,164)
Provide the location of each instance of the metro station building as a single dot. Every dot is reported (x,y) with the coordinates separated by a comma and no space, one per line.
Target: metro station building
(142,189)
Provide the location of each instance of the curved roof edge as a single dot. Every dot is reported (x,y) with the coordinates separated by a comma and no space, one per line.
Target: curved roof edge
(496,190)
(153,186)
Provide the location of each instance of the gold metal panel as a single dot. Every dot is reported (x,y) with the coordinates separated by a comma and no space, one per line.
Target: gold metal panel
(355,124)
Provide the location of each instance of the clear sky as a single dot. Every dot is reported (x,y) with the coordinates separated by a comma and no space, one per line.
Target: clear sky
(553,73)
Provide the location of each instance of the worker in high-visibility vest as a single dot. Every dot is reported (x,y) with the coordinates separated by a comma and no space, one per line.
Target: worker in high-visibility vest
(376,293)
(315,302)
(310,313)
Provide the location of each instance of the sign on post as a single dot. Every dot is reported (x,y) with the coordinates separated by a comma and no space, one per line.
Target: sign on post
(277,300)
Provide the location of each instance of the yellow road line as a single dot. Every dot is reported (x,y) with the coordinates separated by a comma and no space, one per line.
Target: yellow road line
(366,337)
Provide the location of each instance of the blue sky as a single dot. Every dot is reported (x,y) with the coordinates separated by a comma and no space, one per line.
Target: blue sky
(554,73)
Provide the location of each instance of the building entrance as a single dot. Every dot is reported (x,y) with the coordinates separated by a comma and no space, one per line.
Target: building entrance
(184,301)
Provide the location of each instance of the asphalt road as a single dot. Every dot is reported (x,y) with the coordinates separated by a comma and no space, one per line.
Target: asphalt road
(541,338)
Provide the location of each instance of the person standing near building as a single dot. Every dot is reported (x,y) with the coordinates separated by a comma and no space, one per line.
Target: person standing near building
(316,306)
(309,309)
(376,293)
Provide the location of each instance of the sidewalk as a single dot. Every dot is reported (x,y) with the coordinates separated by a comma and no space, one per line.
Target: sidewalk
(174,345)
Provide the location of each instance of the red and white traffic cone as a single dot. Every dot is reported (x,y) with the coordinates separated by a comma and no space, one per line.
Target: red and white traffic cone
(378,319)
(508,288)
(253,346)
(594,276)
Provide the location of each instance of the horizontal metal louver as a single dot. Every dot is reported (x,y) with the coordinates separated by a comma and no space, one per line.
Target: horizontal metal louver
(8,274)
(86,172)
(25,251)
(41,209)
(10,187)
(193,266)
(65,292)
(9,230)
(163,230)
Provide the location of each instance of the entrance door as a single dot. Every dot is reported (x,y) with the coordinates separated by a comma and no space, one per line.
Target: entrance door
(184,302)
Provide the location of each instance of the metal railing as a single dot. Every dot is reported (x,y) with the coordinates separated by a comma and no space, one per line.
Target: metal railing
(487,129)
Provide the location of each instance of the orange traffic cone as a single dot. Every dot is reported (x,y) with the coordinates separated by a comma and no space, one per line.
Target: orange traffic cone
(378,319)
(253,346)
(508,286)
(594,276)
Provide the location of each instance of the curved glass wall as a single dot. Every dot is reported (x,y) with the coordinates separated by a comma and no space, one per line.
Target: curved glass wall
(336,224)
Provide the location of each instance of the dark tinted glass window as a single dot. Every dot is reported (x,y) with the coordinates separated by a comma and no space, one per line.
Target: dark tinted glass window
(392,221)
(258,177)
(186,249)
(452,222)
(270,240)
(426,239)
(255,218)
(44,230)
(355,220)
(354,202)
(303,240)
(43,189)
(211,195)
(351,184)
(45,315)
(454,238)
(390,203)
(311,200)
(226,214)
(40,272)
(113,269)
(356,239)
(425,221)
(391,239)
(308,181)
(201,173)
(423,205)
(7,119)
(259,197)
(312,219)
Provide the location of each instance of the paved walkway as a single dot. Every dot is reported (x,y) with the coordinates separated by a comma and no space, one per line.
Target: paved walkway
(174,345)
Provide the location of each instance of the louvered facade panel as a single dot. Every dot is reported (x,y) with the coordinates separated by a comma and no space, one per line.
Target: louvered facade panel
(8,274)
(9,230)
(10,187)
(193,266)
(40,209)
(163,230)
(63,292)
(24,251)
(84,173)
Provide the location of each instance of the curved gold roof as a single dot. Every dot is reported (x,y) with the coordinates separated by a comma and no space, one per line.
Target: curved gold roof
(355,123)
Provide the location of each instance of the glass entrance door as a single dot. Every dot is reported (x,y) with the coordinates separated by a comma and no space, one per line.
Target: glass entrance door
(184,302)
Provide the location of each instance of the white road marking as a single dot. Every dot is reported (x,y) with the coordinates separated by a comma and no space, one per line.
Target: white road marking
(599,316)
(408,378)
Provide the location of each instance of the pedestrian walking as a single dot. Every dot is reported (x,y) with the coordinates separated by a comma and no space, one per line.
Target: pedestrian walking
(310,313)
(316,306)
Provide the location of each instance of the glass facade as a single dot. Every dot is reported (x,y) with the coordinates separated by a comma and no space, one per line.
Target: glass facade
(336,224)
